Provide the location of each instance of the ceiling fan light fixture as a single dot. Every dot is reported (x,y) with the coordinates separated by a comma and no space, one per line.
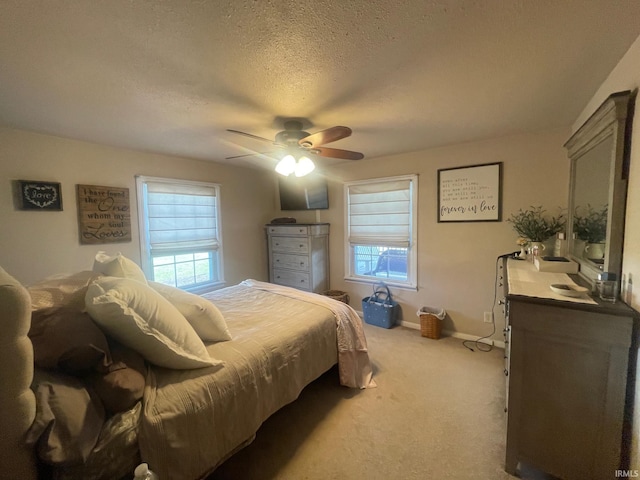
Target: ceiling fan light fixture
(286,166)
(304,167)
(297,141)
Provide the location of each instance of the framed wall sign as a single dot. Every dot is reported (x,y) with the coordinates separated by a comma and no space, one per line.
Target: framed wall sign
(36,195)
(470,194)
(104,214)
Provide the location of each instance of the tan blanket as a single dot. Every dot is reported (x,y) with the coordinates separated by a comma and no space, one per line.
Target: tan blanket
(194,419)
(353,358)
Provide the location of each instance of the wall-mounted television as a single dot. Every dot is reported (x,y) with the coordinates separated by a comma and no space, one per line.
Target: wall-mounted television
(303,193)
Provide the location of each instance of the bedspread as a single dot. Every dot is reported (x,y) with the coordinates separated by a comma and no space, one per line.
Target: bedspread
(194,419)
(353,357)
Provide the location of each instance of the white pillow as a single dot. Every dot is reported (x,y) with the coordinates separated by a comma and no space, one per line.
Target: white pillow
(118,266)
(140,318)
(204,316)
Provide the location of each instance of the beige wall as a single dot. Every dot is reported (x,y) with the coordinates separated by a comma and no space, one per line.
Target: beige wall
(626,76)
(35,244)
(456,261)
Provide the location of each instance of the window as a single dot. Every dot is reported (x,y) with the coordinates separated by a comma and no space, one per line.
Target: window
(381,230)
(180,232)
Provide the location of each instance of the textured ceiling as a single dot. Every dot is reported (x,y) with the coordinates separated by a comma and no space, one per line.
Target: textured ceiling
(170,76)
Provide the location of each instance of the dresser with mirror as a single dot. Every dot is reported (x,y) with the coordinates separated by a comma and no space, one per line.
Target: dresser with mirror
(569,361)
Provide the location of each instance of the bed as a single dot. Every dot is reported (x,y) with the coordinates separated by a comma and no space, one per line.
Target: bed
(190,419)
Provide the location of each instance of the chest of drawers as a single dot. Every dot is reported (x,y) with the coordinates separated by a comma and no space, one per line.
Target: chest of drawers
(299,255)
(567,370)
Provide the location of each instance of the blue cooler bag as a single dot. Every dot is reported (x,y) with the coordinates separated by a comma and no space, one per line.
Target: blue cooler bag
(380,309)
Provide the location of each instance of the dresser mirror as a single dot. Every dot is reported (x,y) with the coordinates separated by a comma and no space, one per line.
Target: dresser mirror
(598,151)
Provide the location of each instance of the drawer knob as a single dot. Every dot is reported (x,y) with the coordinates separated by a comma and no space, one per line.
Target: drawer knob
(277,276)
(278,260)
(301,263)
(301,245)
(277,244)
(301,281)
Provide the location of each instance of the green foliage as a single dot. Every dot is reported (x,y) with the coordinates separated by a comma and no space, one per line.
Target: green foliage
(592,226)
(535,226)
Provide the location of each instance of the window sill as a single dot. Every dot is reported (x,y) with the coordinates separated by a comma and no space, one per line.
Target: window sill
(371,281)
(210,287)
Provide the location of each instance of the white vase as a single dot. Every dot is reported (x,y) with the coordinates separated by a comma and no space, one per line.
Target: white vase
(594,251)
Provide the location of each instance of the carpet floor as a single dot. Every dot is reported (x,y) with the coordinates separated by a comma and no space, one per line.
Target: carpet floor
(437,413)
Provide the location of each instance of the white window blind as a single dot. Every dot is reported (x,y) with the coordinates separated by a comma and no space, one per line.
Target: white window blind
(181,218)
(380,213)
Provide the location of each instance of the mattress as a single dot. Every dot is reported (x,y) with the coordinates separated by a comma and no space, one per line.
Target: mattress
(193,419)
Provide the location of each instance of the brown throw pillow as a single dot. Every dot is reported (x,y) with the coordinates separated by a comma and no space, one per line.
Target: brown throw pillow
(68,421)
(68,340)
(123,385)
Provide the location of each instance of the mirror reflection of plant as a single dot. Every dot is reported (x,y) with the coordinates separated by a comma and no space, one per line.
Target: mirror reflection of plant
(592,226)
(535,226)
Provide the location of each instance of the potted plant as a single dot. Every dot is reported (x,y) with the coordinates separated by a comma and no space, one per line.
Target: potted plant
(591,227)
(535,226)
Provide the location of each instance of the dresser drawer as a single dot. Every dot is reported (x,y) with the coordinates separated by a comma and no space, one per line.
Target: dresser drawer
(290,244)
(294,262)
(302,230)
(291,279)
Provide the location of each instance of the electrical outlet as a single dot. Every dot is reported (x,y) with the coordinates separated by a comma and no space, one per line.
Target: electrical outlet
(488,317)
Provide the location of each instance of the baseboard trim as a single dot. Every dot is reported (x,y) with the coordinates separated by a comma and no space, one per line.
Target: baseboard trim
(451,333)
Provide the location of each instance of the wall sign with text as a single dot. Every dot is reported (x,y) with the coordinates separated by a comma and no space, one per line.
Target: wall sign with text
(104,214)
(470,194)
(36,195)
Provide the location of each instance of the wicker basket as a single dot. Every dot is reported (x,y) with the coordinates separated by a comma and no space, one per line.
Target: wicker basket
(337,295)
(430,326)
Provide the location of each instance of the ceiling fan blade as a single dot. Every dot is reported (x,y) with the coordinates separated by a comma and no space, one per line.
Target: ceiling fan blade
(325,136)
(255,154)
(337,153)
(251,136)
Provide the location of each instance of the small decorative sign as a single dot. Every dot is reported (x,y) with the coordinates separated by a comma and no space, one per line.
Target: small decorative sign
(35,195)
(470,194)
(104,214)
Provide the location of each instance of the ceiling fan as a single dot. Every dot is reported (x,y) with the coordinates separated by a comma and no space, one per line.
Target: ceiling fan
(299,144)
